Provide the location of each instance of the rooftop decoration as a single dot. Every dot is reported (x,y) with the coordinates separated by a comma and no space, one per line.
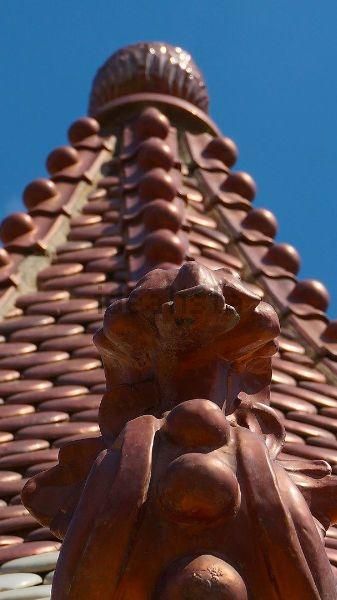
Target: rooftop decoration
(183,495)
(193,441)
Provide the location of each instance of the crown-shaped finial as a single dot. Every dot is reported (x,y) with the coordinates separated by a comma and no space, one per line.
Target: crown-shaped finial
(153,67)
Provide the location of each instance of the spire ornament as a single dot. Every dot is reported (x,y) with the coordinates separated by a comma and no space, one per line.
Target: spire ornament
(152,67)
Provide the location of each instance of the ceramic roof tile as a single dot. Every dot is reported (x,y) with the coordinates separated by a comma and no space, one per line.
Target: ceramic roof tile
(99,225)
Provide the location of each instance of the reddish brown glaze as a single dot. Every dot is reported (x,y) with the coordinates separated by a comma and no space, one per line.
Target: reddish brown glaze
(60,158)
(187,358)
(150,67)
(152,187)
(82,129)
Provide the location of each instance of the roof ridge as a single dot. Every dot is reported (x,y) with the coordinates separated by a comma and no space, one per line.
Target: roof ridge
(30,237)
(301,303)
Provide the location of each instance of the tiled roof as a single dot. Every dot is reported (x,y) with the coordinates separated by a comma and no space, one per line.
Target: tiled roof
(90,232)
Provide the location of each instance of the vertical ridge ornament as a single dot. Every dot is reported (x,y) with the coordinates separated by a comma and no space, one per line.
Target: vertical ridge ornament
(187,358)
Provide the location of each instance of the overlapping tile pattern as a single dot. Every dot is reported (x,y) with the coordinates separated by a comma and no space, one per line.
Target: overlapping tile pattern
(101,221)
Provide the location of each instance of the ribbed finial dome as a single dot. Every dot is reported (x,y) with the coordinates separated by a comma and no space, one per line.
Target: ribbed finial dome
(148,67)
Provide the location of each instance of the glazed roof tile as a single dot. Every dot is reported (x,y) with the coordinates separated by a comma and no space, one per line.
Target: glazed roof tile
(86,240)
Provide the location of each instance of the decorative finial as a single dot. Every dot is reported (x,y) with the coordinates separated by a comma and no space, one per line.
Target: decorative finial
(148,67)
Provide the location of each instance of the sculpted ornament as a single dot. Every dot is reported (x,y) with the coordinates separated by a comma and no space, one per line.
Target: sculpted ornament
(183,495)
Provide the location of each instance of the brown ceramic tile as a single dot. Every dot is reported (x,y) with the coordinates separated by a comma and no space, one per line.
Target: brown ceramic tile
(31,445)
(46,332)
(305,451)
(72,247)
(61,368)
(330,365)
(325,389)
(328,423)
(99,206)
(86,415)
(88,378)
(111,216)
(108,182)
(15,324)
(27,549)
(109,241)
(97,194)
(330,543)
(83,317)
(319,400)
(37,396)
(15,349)
(56,309)
(290,403)
(92,232)
(56,431)
(86,352)
(322,442)
(9,540)
(72,405)
(201,220)
(280,377)
(22,460)
(16,524)
(204,242)
(36,418)
(88,255)
(73,281)
(21,385)
(305,430)
(59,270)
(9,476)
(288,345)
(14,312)
(83,220)
(10,512)
(8,489)
(292,438)
(14,410)
(327,412)
(73,438)
(299,359)
(35,358)
(298,371)
(5,436)
(8,375)
(215,235)
(100,290)
(332,532)
(224,258)
(27,299)
(68,343)
(107,265)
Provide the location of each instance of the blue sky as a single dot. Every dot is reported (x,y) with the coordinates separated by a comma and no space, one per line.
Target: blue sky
(271,72)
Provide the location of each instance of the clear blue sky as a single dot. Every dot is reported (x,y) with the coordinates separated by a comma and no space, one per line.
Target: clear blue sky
(271,70)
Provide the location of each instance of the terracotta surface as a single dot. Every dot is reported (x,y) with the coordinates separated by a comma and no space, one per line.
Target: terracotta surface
(185,334)
(152,186)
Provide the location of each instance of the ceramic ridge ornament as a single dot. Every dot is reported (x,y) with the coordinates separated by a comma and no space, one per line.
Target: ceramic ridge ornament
(183,495)
(149,67)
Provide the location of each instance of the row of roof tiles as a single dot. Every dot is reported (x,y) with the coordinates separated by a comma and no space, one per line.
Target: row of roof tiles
(51,378)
